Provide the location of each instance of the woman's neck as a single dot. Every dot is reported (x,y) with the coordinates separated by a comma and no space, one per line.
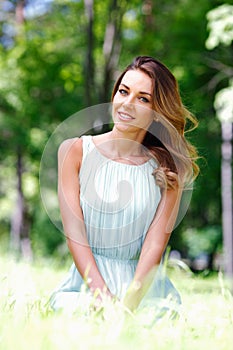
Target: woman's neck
(125,145)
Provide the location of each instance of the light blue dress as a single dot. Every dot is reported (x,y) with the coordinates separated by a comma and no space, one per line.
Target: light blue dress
(119,202)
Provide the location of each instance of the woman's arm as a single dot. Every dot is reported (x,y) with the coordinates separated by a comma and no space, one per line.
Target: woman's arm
(69,162)
(153,247)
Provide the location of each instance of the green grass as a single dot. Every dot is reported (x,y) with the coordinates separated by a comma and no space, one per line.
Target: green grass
(26,322)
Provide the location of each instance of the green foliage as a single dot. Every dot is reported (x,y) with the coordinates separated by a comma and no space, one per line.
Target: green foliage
(46,238)
(199,241)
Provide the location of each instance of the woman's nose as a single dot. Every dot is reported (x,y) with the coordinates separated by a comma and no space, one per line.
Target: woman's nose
(129,99)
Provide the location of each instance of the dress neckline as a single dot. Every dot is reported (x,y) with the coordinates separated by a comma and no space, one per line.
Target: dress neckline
(133,165)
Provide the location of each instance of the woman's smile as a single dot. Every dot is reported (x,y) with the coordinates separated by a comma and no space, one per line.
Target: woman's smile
(125,116)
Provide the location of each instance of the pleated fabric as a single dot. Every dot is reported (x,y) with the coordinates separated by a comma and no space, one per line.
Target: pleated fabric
(119,202)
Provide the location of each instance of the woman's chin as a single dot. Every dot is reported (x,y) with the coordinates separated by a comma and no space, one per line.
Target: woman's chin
(122,126)
(129,127)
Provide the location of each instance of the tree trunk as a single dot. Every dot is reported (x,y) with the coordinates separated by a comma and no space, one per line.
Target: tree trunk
(89,61)
(227,196)
(19,12)
(18,212)
(20,221)
(111,46)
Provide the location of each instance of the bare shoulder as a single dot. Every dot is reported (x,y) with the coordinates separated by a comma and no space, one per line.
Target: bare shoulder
(71,149)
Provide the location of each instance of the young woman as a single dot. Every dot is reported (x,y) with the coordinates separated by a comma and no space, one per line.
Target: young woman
(120,192)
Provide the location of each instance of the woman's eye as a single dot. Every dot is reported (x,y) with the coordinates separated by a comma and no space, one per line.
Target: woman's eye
(122,91)
(144,99)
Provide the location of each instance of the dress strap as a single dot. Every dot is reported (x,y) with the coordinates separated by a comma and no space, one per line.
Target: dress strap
(87,145)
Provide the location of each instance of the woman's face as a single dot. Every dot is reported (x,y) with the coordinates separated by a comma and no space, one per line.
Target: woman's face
(132,103)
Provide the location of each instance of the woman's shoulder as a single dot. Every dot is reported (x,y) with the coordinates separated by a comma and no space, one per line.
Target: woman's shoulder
(70,148)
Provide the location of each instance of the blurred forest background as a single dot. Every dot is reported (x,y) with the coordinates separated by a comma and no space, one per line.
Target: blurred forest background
(58,57)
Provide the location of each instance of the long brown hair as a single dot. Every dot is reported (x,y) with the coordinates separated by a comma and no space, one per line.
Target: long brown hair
(165,139)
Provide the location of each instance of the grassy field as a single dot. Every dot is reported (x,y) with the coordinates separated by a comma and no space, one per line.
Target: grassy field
(26,322)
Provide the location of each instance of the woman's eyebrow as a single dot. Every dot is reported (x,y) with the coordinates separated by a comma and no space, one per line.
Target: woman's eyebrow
(125,86)
(140,92)
(144,93)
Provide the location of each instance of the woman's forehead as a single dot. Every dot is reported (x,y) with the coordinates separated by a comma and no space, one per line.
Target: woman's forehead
(137,79)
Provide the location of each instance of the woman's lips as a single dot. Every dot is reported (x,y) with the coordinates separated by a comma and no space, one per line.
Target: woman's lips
(125,116)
